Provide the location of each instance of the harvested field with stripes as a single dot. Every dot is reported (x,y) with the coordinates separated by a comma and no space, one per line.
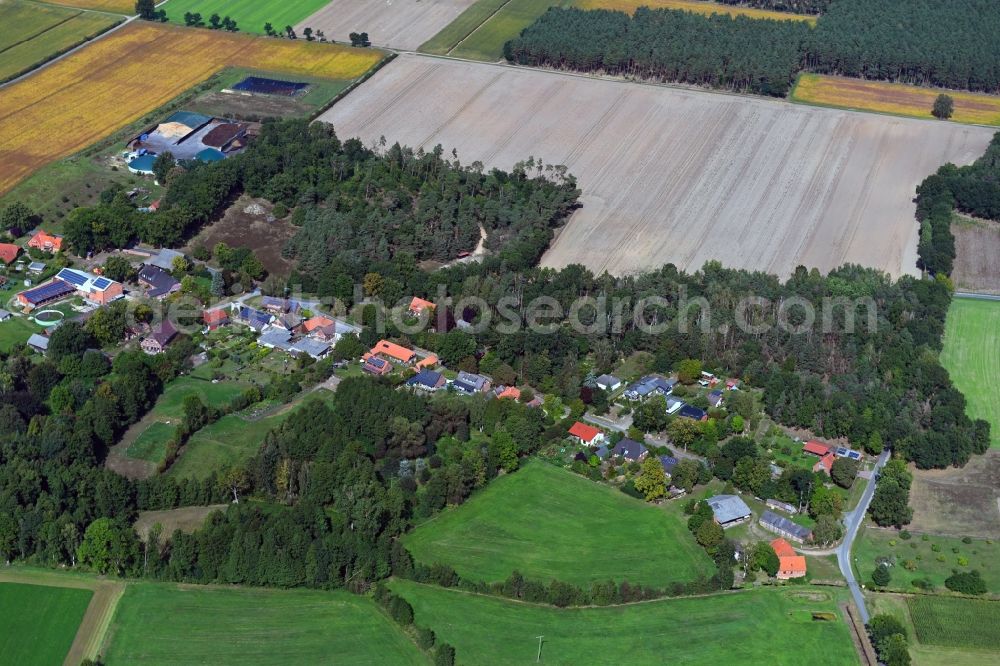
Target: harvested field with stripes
(119,79)
(674,175)
(400,24)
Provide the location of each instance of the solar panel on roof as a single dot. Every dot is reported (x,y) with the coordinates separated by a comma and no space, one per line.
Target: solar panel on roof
(854,455)
(47,291)
(102,283)
(841,451)
(72,277)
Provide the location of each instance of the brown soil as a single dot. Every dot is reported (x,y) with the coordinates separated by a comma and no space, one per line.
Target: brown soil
(186,519)
(959,501)
(240,229)
(977,260)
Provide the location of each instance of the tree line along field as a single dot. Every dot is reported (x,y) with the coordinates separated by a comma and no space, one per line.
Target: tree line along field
(480,32)
(250,16)
(972,356)
(548,523)
(118,79)
(672,175)
(191,624)
(35,33)
(766,626)
(894,98)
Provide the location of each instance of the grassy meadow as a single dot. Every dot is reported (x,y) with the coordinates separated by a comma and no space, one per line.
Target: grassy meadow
(39,622)
(549,523)
(35,33)
(972,356)
(250,16)
(932,559)
(189,624)
(767,626)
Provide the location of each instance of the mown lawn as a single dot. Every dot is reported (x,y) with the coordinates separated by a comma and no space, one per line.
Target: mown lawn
(250,16)
(766,626)
(549,523)
(486,42)
(174,624)
(152,443)
(39,622)
(972,356)
(170,406)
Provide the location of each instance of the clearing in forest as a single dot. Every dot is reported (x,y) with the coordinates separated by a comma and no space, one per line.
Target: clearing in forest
(765,626)
(548,523)
(191,624)
(676,175)
(895,98)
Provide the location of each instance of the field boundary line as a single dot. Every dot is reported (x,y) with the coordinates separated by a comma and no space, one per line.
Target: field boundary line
(41,32)
(95,623)
(474,30)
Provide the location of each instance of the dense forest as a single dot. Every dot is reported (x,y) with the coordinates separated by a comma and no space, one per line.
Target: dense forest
(952,45)
(794,6)
(973,190)
(738,53)
(353,203)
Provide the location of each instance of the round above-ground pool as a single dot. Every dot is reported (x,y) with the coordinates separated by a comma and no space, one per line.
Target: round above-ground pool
(48,318)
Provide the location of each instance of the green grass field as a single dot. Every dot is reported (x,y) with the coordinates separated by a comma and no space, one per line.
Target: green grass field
(174,624)
(480,32)
(972,356)
(548,523)
(767,626)
(229,440)
(170,406)
(952,622)
(924,654)
(152,443)
(35,33)
(39,622)
(250,16)
(928,563)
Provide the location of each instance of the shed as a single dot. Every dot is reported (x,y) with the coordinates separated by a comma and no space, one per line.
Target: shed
(729,510)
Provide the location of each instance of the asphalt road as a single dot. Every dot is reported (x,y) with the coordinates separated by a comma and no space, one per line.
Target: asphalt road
(853,521)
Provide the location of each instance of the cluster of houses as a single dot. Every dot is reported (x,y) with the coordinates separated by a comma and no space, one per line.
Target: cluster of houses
(94,289)
(657,385)
(280,325)
(627,450)
(41,240)
(827,453)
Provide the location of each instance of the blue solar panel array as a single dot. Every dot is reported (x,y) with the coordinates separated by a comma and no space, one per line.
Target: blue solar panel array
(47,292)
(102,283)
(72,277)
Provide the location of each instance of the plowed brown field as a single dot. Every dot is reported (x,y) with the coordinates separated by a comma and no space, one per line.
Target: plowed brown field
(673,175)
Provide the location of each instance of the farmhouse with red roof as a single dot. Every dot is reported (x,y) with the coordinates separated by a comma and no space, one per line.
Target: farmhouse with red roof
(588,435)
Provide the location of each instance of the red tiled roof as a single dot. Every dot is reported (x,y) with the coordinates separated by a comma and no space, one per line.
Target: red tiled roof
(428,361)
(826,463)
(792,564)
(583,431)
(816,448)
(317,321)
(511,392)
(41,240)
(782,548)
(216,316)
(419,305)
(398,352)
(8,252)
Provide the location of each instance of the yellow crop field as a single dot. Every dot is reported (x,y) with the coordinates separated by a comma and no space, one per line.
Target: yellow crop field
(896,98)
(696,6)
(120,78)
(116,6)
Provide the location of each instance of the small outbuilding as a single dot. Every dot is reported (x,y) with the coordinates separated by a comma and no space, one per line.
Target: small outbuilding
(729,510)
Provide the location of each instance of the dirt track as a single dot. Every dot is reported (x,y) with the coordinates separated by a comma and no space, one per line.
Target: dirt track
(672,175)
(401,24)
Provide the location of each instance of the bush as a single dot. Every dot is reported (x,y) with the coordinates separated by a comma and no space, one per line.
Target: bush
(425,638)
(905,535)
(881,576)
(445,655)
(966,583)
(966,539)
